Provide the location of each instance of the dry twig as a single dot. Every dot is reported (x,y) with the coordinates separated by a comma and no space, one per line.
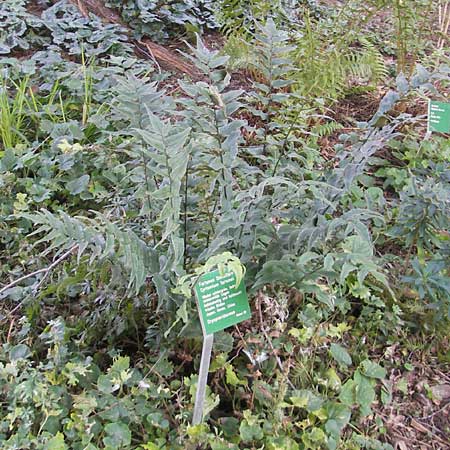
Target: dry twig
(46,271)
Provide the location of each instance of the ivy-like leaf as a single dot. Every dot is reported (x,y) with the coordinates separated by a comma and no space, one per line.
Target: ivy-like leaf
(78,185)
(340,354)
(118,435)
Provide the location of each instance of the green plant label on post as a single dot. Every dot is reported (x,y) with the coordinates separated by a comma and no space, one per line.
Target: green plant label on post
(221,304)
(438,116)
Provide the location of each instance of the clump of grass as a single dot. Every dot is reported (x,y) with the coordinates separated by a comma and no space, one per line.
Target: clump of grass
(12,112)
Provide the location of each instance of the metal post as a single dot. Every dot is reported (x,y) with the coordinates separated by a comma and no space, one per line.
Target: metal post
(202,379)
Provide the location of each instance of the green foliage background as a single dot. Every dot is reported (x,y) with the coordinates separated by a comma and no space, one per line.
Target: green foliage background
(117,188)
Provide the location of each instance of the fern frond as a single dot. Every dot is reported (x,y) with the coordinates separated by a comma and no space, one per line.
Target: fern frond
(326,129)
(99,237)
(241,52)
(366,65)
(328,68)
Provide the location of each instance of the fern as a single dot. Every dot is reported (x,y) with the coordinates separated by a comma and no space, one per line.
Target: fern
(326,129)
(366,65)
(320,68)
(240,51)
(241,15)
(102,239)
(327,69)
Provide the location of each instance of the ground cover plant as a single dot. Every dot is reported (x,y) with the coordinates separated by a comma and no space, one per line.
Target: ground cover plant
(144,143)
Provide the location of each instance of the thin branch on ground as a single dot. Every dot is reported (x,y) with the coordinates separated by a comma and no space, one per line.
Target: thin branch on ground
(46,271)
(435,412)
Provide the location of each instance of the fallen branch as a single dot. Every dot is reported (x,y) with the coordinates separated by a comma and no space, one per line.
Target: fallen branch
(435,412)
(165,57)
(45,271)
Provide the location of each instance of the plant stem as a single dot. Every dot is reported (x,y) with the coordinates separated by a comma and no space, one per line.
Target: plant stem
(185,213)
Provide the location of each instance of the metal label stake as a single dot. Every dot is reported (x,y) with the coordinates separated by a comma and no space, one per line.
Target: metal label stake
(202,379)
(221,304)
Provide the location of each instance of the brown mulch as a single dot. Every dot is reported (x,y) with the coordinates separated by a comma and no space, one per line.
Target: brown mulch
(358,107)
(418,417)
(347,111)
(35,7)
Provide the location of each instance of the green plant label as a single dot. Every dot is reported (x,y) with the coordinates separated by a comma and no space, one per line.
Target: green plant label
(439,116)
(220,303)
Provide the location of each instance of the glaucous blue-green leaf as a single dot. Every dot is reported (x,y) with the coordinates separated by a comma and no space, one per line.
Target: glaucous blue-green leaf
(78,185)
(117,435)
(18,352)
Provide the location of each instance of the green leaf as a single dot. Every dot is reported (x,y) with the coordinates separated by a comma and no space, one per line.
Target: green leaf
(120,364)
(333,380)
(299,402)
(78,185)
(340,354)
(231,377)
(105,384)
(365,393)
(18,352)
(314,438)
(282,443)
(347,394)
(338,418)
(158,420)
(151,446)
(118,435)
(250,432)
(306,399)
(230,426)
(373,370)
(56,443)
(223,342)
